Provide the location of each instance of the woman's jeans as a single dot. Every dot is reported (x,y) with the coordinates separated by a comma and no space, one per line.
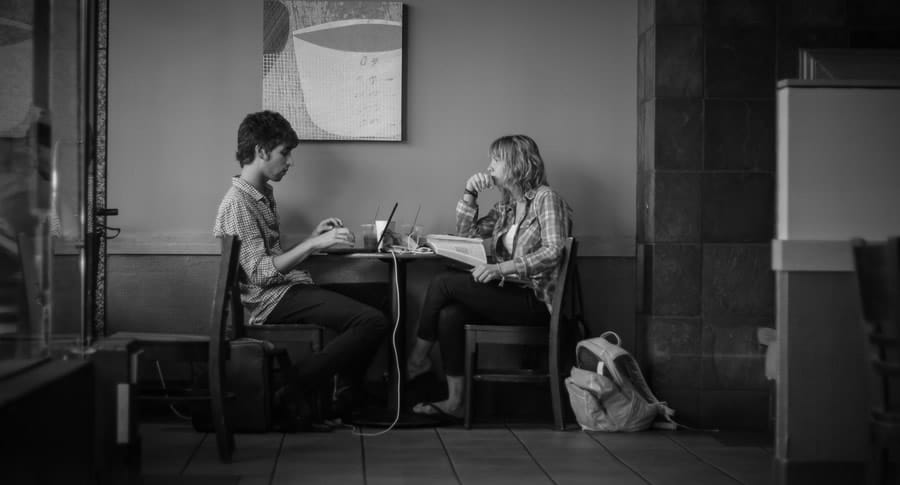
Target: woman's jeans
(455,299)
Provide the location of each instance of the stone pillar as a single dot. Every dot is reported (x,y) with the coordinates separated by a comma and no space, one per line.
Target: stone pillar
(706,86)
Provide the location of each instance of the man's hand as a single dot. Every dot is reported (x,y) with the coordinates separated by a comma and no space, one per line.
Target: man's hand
(327,225)
(484,273)
(340,236)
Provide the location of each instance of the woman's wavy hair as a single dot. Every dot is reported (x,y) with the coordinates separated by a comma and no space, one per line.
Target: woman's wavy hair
(267,129)
(523,160)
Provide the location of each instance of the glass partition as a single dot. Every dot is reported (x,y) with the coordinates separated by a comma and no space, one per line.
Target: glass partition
(850,64)
(42,180)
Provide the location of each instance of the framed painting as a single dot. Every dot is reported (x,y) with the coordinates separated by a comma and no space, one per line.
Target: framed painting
(335,69)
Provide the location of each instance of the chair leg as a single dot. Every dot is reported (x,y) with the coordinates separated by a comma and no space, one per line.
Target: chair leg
(877,464)
(556,395)
(469,386)
(224,435)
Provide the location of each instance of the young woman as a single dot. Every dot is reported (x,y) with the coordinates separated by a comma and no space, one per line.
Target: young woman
(527,228)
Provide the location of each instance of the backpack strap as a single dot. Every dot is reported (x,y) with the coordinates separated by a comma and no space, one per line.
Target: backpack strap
(610,333)
(669,422)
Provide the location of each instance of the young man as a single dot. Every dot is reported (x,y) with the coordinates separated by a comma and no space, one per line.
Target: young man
(273,290)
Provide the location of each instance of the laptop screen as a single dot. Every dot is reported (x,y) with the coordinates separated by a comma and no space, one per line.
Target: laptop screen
(387,224)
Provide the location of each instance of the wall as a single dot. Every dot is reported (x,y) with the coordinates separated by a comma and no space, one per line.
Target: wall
(183,74)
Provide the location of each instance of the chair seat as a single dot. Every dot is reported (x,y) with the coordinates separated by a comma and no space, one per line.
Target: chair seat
(180,395)
(885,416)
(160,337)
(886,368)
(510,334)
(885,433)
(511,375)
(295,339)
(168,346)
(287,332)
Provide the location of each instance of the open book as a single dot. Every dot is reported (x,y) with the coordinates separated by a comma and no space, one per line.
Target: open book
(469,250)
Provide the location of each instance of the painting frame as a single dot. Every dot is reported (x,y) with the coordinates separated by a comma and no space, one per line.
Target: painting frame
(336,70)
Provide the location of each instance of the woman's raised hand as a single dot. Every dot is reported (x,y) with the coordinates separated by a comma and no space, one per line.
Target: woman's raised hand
(479,182)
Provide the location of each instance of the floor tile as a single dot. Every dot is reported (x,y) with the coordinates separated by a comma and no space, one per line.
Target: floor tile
(572,457)
(175,454)
(327,458)
(493,456)
(254,456)
(413,456)
(167,448)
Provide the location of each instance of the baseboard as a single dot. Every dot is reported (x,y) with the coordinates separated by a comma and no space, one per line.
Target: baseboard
(792,472)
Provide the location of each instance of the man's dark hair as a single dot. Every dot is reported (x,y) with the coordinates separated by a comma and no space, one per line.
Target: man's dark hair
(267,129)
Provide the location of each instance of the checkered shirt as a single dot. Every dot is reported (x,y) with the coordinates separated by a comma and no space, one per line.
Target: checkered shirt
(539,243)
(252,217)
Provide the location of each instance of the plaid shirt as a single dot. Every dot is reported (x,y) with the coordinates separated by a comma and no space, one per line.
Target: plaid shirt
(540,240)
(251,216)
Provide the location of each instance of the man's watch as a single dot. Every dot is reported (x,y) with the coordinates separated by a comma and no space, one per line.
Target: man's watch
(470,192)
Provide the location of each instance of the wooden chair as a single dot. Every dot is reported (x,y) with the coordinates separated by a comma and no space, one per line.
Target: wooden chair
(559,338)
(878,278)
(212,347)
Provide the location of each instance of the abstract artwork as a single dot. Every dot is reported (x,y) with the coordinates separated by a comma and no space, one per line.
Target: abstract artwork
(335,69)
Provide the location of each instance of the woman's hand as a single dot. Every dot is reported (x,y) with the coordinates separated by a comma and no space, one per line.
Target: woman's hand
(484,273)
(479,182)
(327,225)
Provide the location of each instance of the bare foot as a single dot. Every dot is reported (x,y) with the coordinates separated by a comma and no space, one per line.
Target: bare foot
(415,369)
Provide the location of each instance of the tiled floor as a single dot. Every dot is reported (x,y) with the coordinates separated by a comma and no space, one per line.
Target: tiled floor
(176,454)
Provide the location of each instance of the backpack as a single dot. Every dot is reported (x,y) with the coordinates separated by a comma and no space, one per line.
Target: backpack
(608,392)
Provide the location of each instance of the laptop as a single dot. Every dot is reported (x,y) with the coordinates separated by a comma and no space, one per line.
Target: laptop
(358,250)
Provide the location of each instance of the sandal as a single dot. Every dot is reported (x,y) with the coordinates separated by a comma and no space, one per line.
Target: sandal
(432,410)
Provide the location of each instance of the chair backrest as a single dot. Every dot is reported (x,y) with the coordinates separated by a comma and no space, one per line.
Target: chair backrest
(236,329)
(222,301)
(566,314)
(878,278)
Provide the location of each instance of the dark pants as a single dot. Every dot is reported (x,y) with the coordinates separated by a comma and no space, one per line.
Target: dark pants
(360,330)
(455,299)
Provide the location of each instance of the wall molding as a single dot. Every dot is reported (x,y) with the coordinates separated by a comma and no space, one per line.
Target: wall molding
(786,472)
(794,255)
(205,243)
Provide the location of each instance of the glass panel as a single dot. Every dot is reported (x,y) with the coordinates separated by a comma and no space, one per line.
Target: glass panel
(41,167)
(850,64)
(66,230)
(24,184)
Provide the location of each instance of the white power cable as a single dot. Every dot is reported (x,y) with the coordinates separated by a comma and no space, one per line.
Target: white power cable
(356,431)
